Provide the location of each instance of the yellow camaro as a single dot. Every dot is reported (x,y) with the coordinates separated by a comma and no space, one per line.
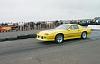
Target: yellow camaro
(64,32)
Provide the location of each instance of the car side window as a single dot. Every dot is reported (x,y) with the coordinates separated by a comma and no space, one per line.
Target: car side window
(73,27)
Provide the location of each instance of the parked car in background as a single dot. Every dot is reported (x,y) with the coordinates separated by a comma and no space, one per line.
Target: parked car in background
(7,28)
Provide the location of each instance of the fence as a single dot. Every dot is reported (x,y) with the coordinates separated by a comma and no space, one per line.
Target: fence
(29,26)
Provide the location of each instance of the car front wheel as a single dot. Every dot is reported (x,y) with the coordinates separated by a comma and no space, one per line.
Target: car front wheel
(84,35)
(59,38)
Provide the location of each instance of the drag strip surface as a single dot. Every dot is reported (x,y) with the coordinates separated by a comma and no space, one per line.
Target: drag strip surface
(23,45)
(32,51)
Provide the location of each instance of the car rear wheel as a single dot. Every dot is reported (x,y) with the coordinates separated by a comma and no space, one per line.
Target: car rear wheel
(84,35)
(59,38)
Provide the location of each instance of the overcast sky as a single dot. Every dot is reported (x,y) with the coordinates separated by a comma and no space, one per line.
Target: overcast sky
(49,9)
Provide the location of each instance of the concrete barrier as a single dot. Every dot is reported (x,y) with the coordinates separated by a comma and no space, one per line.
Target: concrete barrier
(27,36)
(19,37)
(94,27)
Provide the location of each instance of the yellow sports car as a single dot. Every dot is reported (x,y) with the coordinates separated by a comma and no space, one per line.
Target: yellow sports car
(64,32)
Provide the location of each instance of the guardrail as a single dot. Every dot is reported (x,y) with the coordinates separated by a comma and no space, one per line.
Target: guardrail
(94,27)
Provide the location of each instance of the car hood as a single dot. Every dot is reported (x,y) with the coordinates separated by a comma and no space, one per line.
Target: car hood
(50,31)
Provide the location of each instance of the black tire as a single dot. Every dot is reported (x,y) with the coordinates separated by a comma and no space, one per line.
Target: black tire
(59,38)
(84,35)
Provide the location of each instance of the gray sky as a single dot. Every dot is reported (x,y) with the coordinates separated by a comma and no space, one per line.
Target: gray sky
(48,9)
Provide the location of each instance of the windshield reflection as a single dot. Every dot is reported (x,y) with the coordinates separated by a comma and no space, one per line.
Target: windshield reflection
(64,26)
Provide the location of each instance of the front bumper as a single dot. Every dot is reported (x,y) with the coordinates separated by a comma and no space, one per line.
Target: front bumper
(45,38)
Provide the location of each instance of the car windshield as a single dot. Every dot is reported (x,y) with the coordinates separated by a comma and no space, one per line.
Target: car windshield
(64,26)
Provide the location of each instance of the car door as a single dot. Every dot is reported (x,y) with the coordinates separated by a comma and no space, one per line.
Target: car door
(74,31)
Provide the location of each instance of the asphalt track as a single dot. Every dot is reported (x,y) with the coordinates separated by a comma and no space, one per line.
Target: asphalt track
(33,51)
